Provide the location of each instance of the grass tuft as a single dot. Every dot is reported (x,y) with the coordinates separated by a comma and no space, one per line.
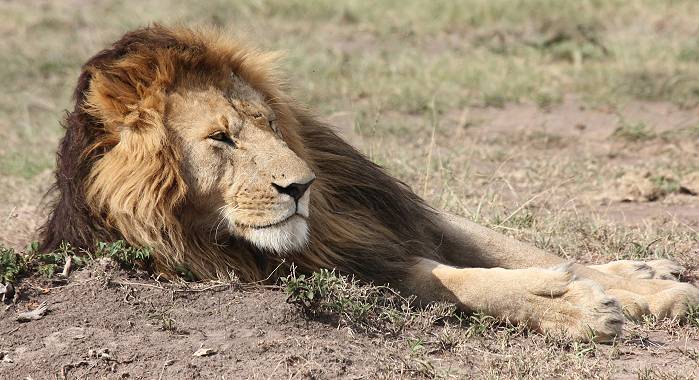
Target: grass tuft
(127,256)
(371,309)
(14,265)
(633,132)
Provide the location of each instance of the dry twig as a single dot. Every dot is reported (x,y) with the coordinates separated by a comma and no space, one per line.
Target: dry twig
(33,315)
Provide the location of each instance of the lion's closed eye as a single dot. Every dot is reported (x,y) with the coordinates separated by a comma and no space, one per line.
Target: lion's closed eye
(223,137)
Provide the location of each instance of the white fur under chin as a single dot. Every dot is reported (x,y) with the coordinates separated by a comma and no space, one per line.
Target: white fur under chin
(289,236)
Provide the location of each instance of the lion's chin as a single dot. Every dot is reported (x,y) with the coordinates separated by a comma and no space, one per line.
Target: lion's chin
(282,238)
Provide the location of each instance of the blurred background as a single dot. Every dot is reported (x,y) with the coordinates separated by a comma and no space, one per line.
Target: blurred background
(569,124)
(572,125)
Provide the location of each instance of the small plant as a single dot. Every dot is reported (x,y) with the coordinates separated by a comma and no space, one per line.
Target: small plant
(494,100)
(47,264)
(636,250)
(376,310)
(546,100)
(633,132)
(369,308)
(666,184)
(449,338)
(12,265)
(479,324)
(163,320)
(693,315)
(416,345)
(584,349)
(185,273)
(127,256)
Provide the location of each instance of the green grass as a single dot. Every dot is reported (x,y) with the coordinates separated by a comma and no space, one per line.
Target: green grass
(371,309)
(14,265)
(634,132)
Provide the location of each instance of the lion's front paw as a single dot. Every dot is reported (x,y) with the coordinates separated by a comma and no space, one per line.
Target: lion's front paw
(584,312)
(656,269)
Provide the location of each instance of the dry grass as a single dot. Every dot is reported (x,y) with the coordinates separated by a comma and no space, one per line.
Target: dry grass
(522,117)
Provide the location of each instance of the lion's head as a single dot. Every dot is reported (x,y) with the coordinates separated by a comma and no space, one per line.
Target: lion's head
(238,174)
(186,142)
(237,167)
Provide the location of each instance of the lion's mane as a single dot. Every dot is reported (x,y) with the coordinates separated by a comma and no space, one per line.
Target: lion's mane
(362,221)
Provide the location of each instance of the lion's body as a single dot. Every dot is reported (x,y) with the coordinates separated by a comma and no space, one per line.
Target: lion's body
(176,133)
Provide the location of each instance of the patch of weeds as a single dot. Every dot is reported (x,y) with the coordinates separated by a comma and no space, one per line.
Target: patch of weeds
(633,132)
(689,52)
(47,264)
(494,100)
(12,265)
(636,250)
(680,133)
(420,366)
(163,320)
(648,321)
(677,86)
(666,184)
(369,308)
(416,345)
(545,140)
(693,316)
(440,313)
(547,100)
(655,374)
(584,349)
(183,271)
(573,43)
(479,324)
(448,338)
(523,219)
(127,256)
(580,350)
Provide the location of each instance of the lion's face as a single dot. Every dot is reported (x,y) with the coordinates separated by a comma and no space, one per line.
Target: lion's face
(242,179)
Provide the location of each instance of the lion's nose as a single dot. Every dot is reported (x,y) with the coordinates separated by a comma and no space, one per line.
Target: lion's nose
(294,190)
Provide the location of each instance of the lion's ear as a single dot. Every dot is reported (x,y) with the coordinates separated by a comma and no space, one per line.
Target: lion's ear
(127,94)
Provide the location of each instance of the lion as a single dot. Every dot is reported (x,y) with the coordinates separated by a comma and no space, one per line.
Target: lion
(186,141)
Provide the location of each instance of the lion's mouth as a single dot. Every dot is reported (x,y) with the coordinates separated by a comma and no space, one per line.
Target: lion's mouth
(279,223)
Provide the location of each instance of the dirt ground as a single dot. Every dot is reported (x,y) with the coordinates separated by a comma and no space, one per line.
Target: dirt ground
(586,149)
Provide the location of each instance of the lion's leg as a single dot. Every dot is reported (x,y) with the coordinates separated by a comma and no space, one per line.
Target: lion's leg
(546,300)
(466,244)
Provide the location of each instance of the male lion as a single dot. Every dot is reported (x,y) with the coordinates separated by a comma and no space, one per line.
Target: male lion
(185,141)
